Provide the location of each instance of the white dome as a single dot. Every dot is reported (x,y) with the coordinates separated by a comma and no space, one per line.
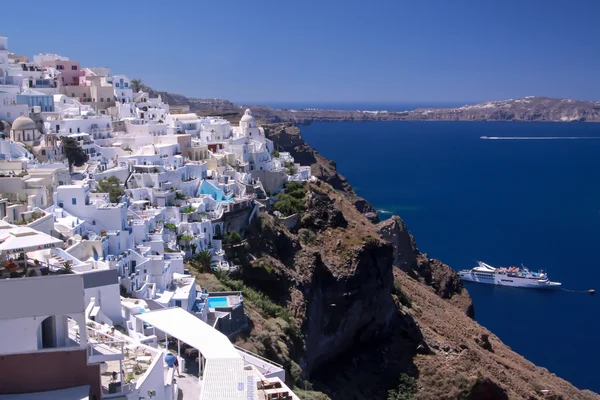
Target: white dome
(247,116)
(23,123)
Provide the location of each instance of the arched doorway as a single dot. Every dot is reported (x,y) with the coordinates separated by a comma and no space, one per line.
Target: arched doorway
(55,331)
(48,338)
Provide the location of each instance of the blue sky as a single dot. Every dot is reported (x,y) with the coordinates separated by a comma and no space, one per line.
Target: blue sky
(368,51)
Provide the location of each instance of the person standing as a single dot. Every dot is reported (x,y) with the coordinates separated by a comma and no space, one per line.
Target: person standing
(176,366)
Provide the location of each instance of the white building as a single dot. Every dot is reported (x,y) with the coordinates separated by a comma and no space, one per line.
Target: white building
(122,89)
(101,217)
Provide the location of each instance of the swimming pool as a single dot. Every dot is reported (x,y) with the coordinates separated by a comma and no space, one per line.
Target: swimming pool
(217,302)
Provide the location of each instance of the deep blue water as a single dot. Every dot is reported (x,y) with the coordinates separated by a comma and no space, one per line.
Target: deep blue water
(506,202)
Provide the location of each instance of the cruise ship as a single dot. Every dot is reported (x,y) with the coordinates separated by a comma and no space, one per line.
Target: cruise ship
(513,276)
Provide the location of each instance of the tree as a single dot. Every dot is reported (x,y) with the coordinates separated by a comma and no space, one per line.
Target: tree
(204,259)
(112,186)
(232,238)
(74,153)
(136,85)
(288,205)
(65,269)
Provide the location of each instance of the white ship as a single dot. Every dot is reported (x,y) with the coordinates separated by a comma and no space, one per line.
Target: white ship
(513,276)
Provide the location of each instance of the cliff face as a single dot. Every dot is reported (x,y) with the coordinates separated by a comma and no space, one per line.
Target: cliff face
(440,277)
(372,313)
(338,288)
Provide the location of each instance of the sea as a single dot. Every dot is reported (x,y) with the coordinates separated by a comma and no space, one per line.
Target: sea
(531,197)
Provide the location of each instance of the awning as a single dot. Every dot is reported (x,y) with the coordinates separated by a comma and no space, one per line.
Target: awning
(186,327)
(225,377)
(24,240)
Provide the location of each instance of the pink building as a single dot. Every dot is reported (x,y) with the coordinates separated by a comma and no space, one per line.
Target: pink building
(70,71)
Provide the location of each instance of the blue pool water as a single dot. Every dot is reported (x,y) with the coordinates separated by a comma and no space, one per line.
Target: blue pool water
(217,302)
(505,202)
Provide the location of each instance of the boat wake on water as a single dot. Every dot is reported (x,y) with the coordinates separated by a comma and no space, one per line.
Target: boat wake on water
(384,211)
(539,137)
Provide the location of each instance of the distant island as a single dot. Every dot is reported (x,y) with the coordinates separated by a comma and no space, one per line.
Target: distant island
(530,109)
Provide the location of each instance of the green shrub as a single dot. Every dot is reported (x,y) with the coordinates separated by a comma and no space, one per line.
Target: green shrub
(187,210)
(292,186)
(402,297)
(298,193)
(307,236)
(288,205)
(232,238)
(260,263)
(112,186)
(310,395)
(275,154)
(406,390)
(268,307)
(170,225)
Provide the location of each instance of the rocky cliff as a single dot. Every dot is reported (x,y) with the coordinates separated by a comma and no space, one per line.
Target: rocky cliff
(369,312)
(434,273)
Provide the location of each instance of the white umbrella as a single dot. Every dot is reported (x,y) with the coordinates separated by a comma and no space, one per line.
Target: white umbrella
(23,240)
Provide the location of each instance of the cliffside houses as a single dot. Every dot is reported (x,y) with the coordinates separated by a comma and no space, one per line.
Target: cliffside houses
(92,256)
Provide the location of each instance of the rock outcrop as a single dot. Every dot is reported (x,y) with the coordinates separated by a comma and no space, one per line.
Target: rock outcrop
(288,138)
(440,277)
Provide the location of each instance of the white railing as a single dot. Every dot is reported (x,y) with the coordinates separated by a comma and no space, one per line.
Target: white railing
(103,347)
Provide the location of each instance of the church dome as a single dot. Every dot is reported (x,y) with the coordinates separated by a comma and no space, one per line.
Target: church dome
(23,123)
(247,116)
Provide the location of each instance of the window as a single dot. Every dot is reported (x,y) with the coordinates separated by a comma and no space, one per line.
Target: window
(73,201)
(116,84)
(101,99)
(70,130)
(78,131)
(126,84)
(43,152)
(178,303)
(61,67)
(74,67)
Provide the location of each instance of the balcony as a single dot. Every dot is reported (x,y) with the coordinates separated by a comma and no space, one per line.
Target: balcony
(101,346)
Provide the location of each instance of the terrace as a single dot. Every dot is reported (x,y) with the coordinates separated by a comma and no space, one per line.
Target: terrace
(124,363)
